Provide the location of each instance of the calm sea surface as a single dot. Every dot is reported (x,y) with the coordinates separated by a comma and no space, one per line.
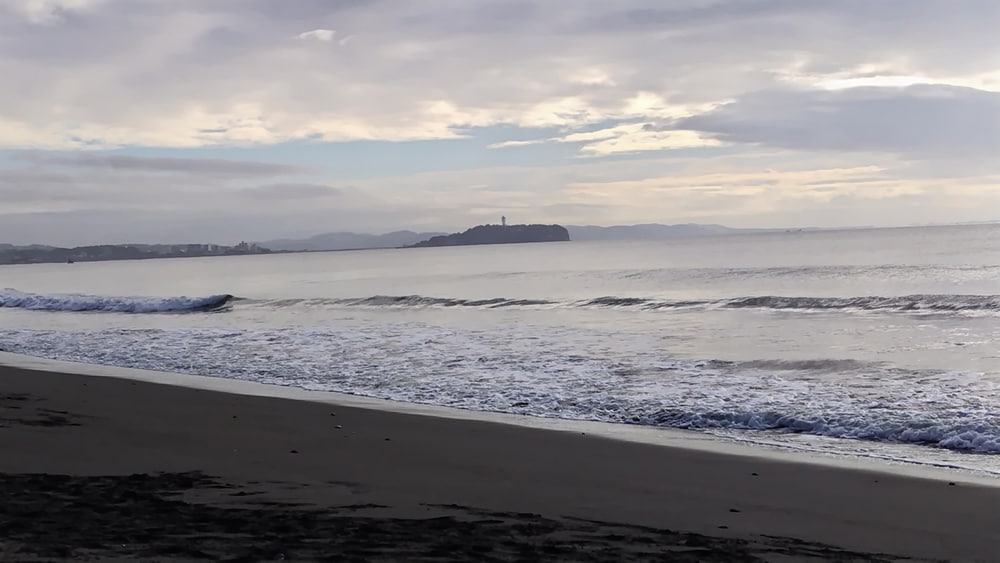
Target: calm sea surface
(880,343)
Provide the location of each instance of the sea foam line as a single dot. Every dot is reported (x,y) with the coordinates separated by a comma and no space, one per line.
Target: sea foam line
(491,371)
(717,443)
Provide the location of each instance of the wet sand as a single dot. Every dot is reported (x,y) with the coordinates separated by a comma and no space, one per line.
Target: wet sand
(106,468)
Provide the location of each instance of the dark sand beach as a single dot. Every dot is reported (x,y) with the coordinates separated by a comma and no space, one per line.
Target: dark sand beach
(105,468)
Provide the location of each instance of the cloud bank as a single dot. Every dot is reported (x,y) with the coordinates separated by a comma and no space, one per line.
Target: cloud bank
(442,112)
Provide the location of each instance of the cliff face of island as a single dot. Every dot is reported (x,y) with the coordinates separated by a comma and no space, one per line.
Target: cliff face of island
(499,234)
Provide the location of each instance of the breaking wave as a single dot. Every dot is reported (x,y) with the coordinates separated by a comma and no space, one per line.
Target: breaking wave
(491,370)
(904,304)
(418,301)
(978,436)
(11,298)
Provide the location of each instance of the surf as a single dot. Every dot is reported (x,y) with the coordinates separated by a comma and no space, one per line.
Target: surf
(12,298)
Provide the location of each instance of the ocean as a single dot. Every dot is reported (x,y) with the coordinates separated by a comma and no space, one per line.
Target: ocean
(872,342)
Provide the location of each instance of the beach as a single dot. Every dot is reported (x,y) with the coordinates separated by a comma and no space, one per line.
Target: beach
(104,468)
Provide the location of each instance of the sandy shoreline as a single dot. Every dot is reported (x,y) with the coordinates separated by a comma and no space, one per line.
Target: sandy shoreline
(216,475)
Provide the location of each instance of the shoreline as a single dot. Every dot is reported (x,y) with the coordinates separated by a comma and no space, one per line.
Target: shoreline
(649,435)
(164,471)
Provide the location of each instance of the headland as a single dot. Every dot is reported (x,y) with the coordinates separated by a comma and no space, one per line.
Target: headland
(499,234)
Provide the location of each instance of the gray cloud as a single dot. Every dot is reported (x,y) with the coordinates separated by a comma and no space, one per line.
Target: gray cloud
(77,182)
(926,120)
(121,162)
(189,73)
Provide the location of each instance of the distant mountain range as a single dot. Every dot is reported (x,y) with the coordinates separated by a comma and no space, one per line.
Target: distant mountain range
(396,239)
(349,241)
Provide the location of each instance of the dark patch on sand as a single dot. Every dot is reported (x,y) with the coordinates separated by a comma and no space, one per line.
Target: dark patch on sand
(159,516)
(19,409)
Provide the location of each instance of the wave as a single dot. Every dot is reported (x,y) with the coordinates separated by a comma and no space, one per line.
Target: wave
(975,437)
(519,371)
(817,365)
(909,303)
(12,298)
(904,303)
(400,301)
(929,303)
(420,301)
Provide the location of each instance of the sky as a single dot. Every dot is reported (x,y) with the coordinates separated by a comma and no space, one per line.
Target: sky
(228,120)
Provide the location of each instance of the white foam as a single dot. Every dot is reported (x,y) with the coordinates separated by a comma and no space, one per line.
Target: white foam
(647,435)
(547,374)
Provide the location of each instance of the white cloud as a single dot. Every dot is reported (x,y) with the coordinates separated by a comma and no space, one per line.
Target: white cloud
(638,139)
(524,143)
(876,81)
(318,35)
(627,138)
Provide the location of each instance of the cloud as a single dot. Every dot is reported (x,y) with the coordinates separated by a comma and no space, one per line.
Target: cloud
(194,165)
(57,182)
(87,198)
(929,121)
(628,138)
(518,143)
(48,12)
(325,35)
(685,110)
(186,73)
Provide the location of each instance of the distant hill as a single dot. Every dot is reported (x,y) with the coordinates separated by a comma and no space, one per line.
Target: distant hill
(349,241)
(500,234)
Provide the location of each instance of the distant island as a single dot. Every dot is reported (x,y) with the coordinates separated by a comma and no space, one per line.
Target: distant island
(499,234)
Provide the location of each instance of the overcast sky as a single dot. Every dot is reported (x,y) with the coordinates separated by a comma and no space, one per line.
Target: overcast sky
(221,120)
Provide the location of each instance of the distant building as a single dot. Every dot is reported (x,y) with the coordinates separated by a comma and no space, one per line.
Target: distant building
(503,220)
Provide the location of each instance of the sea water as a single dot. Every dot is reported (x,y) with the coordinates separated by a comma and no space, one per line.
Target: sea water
(876,342)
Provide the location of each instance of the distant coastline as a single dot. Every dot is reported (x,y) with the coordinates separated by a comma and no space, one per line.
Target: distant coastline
(498,234)
(38,254)
(11,254)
